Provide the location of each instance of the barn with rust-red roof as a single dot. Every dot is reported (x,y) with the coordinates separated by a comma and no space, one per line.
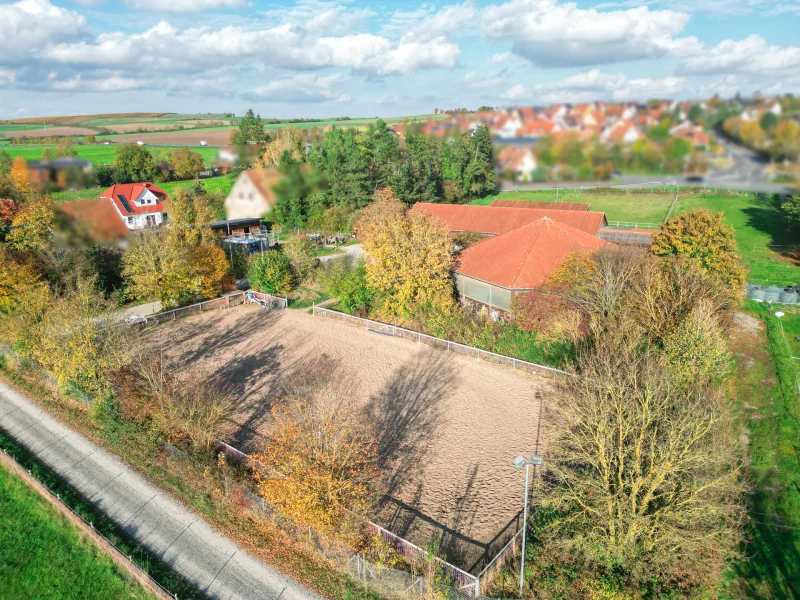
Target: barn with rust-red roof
(491,271)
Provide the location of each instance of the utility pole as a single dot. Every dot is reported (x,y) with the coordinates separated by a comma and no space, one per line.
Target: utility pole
(519,462)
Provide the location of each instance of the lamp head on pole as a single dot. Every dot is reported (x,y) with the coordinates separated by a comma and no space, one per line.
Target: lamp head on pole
(519,461)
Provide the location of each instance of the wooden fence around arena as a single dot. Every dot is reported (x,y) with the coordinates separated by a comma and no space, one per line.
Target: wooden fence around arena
(395,331)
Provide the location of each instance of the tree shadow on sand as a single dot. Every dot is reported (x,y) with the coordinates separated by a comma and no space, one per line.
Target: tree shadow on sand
(406,416)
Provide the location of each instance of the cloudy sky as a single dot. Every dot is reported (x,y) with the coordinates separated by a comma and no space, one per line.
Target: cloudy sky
(316,58)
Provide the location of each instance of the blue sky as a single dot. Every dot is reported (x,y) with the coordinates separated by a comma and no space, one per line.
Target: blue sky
(315,58)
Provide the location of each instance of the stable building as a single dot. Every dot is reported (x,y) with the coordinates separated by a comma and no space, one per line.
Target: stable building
(491,271)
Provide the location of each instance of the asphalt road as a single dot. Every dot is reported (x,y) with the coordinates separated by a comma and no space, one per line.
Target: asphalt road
(182,539)
(747,173)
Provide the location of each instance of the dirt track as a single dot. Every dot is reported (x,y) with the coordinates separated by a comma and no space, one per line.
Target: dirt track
(186,137)
(448,424)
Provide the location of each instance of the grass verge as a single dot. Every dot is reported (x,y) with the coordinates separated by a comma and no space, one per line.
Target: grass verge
(769,403)
(44,555)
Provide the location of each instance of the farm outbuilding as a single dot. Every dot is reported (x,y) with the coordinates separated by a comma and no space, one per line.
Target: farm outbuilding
(491,271)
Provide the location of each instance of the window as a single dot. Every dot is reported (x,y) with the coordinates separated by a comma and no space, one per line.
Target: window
(130,220)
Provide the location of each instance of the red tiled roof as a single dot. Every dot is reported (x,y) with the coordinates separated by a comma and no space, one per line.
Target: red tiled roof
(495,220)
(511,157)
(578,206)
(96,218)
(525,257)
(131,191)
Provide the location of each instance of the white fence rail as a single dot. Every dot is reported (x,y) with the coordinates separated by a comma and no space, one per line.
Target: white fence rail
(265,300)
(393,330)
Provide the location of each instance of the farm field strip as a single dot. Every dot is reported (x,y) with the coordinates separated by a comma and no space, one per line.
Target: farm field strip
(99,154)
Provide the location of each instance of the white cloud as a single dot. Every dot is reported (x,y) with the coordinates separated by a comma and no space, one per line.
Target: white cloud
(302,88)
(714,7)
(394,98)
(166,49)
(107,84)
(28,25)
(321,17)
(7,76)
(751,55)
(184,6)
(517,92)
(594,85)
(425,23)
(475,80)
(550,33)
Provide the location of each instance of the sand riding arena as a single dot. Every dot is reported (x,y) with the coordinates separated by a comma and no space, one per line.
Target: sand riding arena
(448,425)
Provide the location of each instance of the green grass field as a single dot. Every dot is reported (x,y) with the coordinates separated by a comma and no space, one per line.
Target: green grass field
(761,232)
(16,127)
(100,154)
(769,251)
(43,555)
(222,184)
(769,402)
(617,206)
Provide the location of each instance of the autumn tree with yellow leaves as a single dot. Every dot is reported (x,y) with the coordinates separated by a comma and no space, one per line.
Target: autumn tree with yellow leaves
(319,466)
(177,263)
(409,256)
(702,237)
(80,342)
(32,226)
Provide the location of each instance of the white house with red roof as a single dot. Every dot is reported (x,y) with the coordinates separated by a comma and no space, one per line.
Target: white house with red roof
(622,132)
(520,161)
(139,205)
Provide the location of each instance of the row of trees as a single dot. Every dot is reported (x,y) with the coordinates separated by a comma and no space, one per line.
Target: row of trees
(325,188)
(778,138)
(133,163)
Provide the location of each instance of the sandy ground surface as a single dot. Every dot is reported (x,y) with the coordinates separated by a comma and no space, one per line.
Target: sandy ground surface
(187,137)
(50,131)
(448,425)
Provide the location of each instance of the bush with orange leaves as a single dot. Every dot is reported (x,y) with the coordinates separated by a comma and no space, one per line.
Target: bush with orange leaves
(319,466)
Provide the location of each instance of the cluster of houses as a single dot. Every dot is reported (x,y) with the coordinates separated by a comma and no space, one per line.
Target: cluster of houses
(614,123)
(518,128)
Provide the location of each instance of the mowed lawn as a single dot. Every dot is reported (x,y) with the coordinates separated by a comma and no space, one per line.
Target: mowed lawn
(765,387)
(761,232)
(618,206)
(100,154)
(43,555)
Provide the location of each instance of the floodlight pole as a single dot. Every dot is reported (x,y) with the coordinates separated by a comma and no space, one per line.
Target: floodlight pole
(524,531)
(519,462)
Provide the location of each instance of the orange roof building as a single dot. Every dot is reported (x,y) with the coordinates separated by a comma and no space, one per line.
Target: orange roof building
(577,206)
(139,205)
(490,271)
(94,221)
(495,220)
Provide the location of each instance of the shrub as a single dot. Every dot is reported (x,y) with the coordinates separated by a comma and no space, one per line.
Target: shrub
(300,252)
(346,280)
(271,272)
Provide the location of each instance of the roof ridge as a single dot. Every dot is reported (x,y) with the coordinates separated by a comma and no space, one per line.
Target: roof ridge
(530,246)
